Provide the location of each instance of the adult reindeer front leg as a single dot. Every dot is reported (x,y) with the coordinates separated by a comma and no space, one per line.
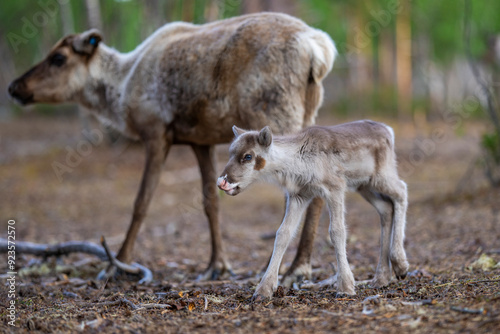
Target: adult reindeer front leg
(206,160)
(157,144)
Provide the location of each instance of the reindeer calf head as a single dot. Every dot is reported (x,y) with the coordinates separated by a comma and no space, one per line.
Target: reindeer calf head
(61,75)
(247,160)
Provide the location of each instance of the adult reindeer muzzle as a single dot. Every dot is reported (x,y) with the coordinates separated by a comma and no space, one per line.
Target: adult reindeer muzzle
(18,91)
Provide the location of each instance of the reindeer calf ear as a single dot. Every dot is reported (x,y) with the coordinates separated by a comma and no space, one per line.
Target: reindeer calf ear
(265,137)
(87,42)
(237,131)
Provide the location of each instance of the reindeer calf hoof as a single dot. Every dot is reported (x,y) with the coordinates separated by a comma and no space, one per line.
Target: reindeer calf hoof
(256,298)
(296,275)
(262,292)
(377,284)
(401,277)
(341,295)
(344,294)
(400,269)
(380,280)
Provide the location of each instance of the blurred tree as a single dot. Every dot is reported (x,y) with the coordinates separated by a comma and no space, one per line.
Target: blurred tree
(94,14)
(377,64)
(403,59)
(68,25)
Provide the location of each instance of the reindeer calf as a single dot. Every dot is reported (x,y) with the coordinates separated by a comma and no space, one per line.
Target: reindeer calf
(325,162)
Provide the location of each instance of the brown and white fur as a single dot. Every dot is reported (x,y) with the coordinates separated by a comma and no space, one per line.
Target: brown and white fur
(188,84)
(326,162)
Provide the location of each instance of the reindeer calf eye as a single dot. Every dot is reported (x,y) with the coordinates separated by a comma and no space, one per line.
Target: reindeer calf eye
(247,157)
(58,60)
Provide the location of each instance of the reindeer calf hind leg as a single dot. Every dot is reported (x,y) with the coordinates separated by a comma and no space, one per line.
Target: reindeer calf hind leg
(397,191)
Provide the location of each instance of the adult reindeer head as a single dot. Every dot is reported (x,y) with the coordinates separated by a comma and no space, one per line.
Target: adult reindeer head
(247,159)
(61,76)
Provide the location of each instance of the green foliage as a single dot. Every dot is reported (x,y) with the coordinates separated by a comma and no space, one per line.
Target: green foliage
(491,144)
(128,22)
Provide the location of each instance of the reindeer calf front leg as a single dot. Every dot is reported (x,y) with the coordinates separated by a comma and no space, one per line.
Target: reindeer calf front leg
(301,266)
(338,235)
(294,210)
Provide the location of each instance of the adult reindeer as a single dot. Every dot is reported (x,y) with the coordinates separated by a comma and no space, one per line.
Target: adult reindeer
(188,84)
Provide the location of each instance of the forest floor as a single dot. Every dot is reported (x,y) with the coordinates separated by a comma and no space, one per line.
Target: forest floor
(452,242)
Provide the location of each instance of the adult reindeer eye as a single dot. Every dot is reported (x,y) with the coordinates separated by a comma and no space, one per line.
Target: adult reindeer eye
(247,157)
(57,60)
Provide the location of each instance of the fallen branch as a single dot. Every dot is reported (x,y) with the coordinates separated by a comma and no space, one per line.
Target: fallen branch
(484,281)
(445,284)
(368,300)
(66,248)
(418,302)
(134,268)
(123,301)
(468,310)
(468,282)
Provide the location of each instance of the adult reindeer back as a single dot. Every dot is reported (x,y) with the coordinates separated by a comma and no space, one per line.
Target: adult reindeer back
(189,84)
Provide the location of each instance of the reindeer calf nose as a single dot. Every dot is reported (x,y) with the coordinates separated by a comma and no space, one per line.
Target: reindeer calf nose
(221,183)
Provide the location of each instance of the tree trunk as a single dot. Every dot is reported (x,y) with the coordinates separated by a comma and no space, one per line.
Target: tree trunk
(68,25)
(403,61)
(94,19)
(282,6)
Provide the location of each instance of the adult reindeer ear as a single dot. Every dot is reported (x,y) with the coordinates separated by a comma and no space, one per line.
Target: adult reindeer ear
(265,137)
(237,131)
(87,42)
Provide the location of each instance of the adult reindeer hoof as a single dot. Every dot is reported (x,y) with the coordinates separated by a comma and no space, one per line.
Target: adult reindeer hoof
(105,274)
(216,271)
(116,267)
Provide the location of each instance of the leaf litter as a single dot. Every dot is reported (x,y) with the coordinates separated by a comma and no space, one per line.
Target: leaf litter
(452,244)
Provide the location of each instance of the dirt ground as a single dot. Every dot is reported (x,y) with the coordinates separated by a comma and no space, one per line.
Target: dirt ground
(448,231)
